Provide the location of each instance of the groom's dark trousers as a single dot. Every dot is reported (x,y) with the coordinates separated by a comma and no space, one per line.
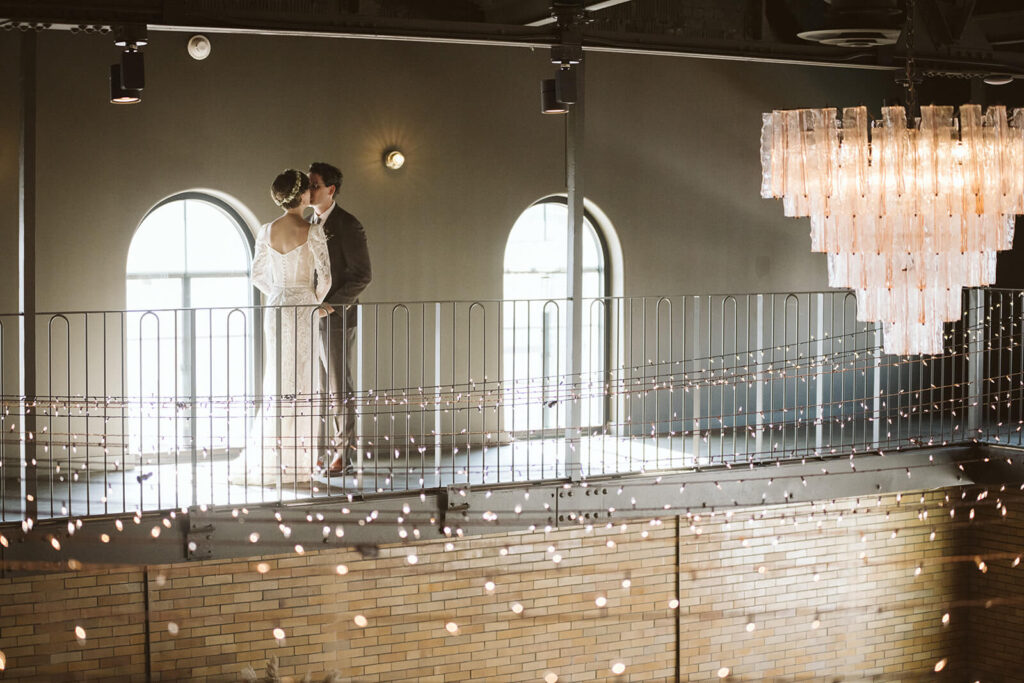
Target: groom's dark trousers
(350,274)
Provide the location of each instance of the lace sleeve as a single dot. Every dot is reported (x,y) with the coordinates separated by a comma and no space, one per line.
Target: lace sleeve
(262,269)
(321,260)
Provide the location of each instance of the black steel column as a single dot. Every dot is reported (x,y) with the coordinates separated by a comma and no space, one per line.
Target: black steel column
(27,271)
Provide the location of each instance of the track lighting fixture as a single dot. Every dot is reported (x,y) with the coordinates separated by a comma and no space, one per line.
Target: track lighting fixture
(565,85)
(118,93)
(561,91)
(128,78)
(133,72)
(549,103)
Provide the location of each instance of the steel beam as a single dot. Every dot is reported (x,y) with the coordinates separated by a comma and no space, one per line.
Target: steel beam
(461,511)
(331,20)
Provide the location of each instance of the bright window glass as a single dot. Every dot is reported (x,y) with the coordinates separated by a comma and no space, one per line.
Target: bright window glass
(190,255)
(534,317)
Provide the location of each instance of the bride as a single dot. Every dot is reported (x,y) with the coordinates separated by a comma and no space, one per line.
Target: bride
(291,267)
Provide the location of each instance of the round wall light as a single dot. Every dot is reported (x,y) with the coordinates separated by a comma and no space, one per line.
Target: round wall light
(199,47)
(394,159)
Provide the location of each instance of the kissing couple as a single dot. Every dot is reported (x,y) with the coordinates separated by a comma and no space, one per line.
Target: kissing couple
(311,269)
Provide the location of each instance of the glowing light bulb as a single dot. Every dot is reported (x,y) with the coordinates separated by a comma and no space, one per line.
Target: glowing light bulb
(263,567)
(673,603)
(172,628)
(941,664)
(341,569)
(361,621)
(79,633)
(723,672)
(517,608)
(601,601)
(489,586)
(394,159)
(618,668)
(451,627)
(278,634)
(551,677)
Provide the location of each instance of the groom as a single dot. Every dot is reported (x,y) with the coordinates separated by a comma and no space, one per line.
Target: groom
(350,273)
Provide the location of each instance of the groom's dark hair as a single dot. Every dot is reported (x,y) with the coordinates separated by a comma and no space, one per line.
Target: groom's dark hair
(329,175)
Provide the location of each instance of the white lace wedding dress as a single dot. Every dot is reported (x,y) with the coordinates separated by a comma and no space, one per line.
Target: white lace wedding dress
(281,445)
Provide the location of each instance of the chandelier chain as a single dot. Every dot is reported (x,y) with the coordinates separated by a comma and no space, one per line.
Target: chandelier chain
(909,67)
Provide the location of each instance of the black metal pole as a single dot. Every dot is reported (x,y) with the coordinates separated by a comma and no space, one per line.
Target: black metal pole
(27,271)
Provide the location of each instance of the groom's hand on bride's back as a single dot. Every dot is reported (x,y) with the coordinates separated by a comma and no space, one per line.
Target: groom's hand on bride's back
(325,310)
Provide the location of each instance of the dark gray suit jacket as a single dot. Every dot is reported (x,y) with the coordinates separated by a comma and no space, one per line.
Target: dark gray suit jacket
(350,261)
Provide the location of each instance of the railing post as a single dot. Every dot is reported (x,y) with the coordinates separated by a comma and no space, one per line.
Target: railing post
(975,365)
(437,389)
(876,397)
(698,370)
(192,400)
(819,393)
(759,381)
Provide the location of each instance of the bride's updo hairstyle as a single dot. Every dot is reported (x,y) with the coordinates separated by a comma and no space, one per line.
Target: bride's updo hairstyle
(288,188)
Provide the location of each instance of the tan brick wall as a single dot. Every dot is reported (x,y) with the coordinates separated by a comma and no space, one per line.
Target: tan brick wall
(39,614)
(995,604)
(877,616)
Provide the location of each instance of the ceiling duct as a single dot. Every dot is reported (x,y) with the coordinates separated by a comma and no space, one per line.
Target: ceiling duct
(858,24)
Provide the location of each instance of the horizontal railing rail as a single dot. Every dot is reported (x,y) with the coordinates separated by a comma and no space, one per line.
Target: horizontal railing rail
(161,409)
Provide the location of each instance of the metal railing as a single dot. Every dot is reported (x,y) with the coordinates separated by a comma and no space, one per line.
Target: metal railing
(147,410)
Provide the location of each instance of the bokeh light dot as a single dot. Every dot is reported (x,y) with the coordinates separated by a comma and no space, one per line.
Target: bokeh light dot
(451,627)
(618,668)
(361,621)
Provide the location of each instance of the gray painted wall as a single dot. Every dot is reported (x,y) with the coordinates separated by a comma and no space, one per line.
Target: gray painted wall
(671,157)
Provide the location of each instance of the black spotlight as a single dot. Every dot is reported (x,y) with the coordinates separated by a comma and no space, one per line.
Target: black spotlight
(118,93)
(549,103)
(133,70)
(565,86)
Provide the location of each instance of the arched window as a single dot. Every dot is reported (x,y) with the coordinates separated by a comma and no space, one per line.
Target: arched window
(534,318)
(189,326)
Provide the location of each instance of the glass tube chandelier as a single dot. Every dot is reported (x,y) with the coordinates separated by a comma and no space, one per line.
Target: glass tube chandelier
(908,214)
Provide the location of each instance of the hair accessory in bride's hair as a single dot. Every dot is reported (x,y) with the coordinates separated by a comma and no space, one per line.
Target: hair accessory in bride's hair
(283,200)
